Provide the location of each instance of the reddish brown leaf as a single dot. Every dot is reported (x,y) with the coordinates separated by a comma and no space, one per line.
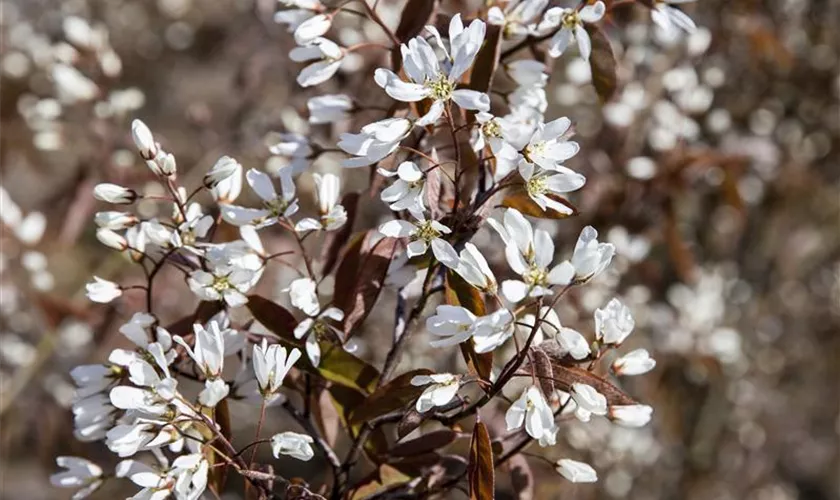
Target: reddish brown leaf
(336,239)
(424,444)
(433,191)
(368,284)
(487,60)
(543,371)
(346,273)
(346,400)
(480,470)
(602,62)
(392,396)
(416,15)
(565,376)
(273,316)
(517,197)
(410,421)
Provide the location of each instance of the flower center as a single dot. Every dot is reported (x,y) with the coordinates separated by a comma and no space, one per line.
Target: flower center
(535,276)
(532,150)
(221,283)
(571,20)
(441,88)
(536,186)
(277,206)
(426,232)
(320,330)
(491,129)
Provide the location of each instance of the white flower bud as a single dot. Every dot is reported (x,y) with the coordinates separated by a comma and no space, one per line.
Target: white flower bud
(162,165)
(631,415)
(111,239)
(293,444)
(102,291)
(614,323)
(144,140)
(225,167)
(576,472)
(113,193)
(634,363)
(115,221)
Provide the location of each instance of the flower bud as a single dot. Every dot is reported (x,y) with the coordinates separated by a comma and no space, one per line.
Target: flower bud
(115,221)
(576,472)
(224,168)
(312,28)
(163,165)
(113,193)
(631,415)
(111,239)
(102,291)
(634,363)
(144,140)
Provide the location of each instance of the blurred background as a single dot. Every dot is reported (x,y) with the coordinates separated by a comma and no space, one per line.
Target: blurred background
(715,171)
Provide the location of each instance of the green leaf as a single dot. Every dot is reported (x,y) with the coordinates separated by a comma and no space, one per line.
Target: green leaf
(392,396)
(337,365)
(602,62)
(480,471)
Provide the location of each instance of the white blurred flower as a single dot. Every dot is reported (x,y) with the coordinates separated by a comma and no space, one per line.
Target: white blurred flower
(635,362)
(313,28)
(571,22)
(332,215)
(73,86)
(327,57)
(631,415)
(588,400)
(441,389)
(112,193)
(144,140)
(81,473)
(329,108)
(532,410)
(102,291)
(295,445)
(576,472)
(295,149)
(115,221)
(614,323)
(671,19)
(375,141)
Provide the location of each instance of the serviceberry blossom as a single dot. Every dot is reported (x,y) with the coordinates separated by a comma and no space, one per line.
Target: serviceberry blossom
(271,364)
(529,253)
(473,267)
(102,291)
(317,328)
(518,18)
(300,11)
(588,401)
(590,257)
(275,206)
(631,415)
(540,185)
(327,57)
(223,169)
(454,324)
(434,79)
(614,323)
(671,19)
(329,108)
(636,362)
(312,29)
(225,279)
(304,295)
(111,239)
(570,341)
(576,472)
(440,389)
(375,141)
(423,233)
(82,474)
(571,26)
(294,149)
(493,330)
(492,131)
(293,444)
(527,72)
(332,215)
(532,410)
(115,221)
(114,193)
(549,147)
(208,353)
(144,140)
(406,193)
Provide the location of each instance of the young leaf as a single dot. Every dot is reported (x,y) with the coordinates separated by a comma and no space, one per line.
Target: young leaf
(517,197)
(602,62)
(410,421)
(416,15)
(487,60)
(346,273)
(392,396)
(543,371)
(480,470)
(274,317)
(368,284)
(565,376)
(334,240)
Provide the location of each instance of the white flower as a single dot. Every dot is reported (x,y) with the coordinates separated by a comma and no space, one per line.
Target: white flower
(155,387)
(473,267)
(294,149)
(407,191)
(548,146)
(271,364)
(144,140)
(588,400)
(80,473)
(313,28)
(571,22)
(423,233)
(670,18)
(186,479)
(631,415)
(327,55)
(427,79)
(332,215)
(102,291)
(111,239)
(635,362)
(303,10)
(73,86)
(303,294)
(209,355)
(532,410)
(375,141)
(295,445)
(493,131)
(329,108)
(316,328)
(527,72)
(529,253)
(614,323)
(113,193)
(590,257)
(576,472)
(195,226)
(453,323)
(115,221)
(224,168)
(275,206)
(138,327)
(570,341)
(442,387)
(517,17)
(493,330)
(224,281)
(540,185)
